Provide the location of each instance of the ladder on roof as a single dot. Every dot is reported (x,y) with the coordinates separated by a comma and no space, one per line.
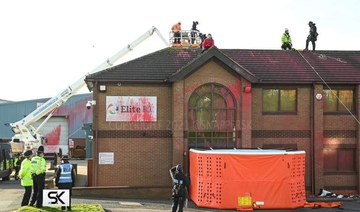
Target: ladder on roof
(185,38)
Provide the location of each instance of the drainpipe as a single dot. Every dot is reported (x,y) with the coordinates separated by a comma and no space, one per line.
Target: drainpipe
(95,137)
(312,139)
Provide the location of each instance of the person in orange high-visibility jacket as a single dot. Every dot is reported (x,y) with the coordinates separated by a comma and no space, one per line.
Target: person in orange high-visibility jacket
(26,178)
(176,28)
(65,177)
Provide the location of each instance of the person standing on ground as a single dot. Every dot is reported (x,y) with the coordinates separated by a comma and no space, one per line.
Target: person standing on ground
(38,168)
(180,189)
(26,178)
(286,43)
(176,28)
(312,36)
(208,43)
(65,177)
(17,164)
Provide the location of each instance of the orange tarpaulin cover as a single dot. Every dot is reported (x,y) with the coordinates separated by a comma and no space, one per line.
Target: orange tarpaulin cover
(274,179)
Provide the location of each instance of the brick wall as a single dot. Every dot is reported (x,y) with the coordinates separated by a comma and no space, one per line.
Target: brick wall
(138,162)
(287,130)
(178,124)
(142,150)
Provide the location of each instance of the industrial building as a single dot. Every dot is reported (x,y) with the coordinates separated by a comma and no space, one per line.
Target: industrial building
(63,130)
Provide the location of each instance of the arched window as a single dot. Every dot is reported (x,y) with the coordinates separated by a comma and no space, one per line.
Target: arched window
(211,117)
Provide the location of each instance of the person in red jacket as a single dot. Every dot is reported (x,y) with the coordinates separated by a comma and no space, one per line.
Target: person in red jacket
(208,43)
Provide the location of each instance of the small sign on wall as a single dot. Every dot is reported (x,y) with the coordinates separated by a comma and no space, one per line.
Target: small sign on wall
(71,143)
(106,158)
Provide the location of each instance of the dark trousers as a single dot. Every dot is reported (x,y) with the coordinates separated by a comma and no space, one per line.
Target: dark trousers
(286,46)
(177,37)
(178,202)
(312,42)
(27,195)
(38,187)
(193,35)
(67,186)
(16,175)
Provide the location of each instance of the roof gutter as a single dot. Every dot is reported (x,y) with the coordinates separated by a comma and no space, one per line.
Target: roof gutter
(120,80)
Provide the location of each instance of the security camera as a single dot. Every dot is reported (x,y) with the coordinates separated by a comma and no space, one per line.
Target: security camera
(89,104)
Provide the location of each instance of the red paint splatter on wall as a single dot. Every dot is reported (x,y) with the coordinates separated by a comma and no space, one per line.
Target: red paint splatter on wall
(235,88)
(53,138)
(76,112)
(147,108)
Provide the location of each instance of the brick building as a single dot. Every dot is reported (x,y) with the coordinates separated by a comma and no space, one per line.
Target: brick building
(150,111)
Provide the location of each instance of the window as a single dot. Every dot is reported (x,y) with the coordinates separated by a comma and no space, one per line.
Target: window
(279,100)
(339,160)
(333,104)
(211,117)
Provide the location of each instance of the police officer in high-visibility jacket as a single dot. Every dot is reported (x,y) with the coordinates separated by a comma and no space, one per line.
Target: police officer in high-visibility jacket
(65,177)
(38,169)
(26,178)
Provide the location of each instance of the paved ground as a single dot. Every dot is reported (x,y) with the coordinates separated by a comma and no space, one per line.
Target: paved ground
(11,194)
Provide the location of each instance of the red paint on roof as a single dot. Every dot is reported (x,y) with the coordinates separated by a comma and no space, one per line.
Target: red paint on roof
(268,66)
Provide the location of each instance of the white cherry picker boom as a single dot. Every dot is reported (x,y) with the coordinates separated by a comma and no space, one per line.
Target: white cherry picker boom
(27,137)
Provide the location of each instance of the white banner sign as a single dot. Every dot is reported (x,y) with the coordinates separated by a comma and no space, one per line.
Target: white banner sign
(131,108)
(60,197)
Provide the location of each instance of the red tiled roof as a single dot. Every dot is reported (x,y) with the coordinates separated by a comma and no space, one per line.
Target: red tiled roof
(292,66)
(267,66)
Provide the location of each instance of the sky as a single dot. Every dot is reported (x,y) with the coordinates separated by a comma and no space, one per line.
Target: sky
(47,45)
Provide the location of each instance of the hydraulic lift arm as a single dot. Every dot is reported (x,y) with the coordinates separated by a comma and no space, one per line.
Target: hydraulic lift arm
(29,135)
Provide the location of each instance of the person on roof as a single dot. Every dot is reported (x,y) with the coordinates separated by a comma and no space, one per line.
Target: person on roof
(286,43)
(194,31)
(208,43)
(312,36)
(176,28)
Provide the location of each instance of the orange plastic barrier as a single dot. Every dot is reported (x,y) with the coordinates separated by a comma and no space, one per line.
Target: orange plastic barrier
(227,179)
